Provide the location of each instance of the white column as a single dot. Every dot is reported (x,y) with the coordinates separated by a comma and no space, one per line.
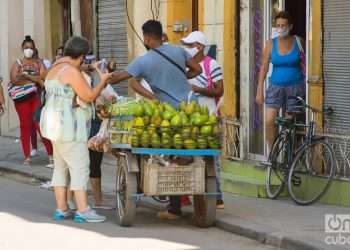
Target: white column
(4,59)
(75,17)
(28,17)
(245,74)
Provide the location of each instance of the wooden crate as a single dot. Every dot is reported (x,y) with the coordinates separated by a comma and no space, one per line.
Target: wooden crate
(173,179)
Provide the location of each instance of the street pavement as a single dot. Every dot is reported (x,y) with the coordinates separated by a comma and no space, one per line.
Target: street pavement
(25,219)
(279,223)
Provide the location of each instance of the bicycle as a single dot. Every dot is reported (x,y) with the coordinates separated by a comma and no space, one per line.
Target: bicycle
(310,163)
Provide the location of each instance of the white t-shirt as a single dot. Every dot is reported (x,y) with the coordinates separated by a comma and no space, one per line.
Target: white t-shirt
(202,81)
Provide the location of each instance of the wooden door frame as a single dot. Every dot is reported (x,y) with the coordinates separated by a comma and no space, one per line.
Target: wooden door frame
(195,25)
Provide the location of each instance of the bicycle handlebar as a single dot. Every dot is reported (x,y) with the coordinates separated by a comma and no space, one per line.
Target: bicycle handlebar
(328,110)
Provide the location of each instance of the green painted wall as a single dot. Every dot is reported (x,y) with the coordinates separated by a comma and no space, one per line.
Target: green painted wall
(248,179)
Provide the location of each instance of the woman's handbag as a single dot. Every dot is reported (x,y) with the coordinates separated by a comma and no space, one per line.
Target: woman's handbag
(21,92)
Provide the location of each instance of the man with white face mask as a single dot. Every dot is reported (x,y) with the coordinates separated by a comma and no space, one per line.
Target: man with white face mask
(286,54)
(208,86)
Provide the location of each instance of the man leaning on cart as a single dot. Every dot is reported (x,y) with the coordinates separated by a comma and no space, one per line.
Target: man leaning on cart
(164,68)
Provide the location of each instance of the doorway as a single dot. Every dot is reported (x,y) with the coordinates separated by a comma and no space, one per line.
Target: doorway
(262,19)
(298,10)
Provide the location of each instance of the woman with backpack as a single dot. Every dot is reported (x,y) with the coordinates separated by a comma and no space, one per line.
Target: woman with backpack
(2,98)
(27,75)
(208,86)
(286,54)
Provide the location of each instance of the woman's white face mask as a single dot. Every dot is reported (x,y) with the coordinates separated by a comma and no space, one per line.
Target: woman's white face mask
(28,53)
(192,51)
(283,32)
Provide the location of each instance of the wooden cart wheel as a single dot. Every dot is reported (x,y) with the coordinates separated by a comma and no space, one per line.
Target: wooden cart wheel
(205,206)
(126,188)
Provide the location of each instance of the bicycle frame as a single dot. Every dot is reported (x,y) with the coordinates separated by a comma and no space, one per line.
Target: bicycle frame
(291,137)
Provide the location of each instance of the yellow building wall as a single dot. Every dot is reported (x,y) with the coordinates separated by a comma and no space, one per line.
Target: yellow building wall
(179,11)
(139,13)
(315,60)
(230,69)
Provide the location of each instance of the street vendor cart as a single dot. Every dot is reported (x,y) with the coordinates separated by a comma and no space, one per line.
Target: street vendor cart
(153,172)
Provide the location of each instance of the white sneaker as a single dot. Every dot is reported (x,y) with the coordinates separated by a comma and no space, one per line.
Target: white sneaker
(51,163)
(34,153)
(88,216)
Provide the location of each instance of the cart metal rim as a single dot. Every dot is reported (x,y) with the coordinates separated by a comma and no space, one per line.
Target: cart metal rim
(121,189)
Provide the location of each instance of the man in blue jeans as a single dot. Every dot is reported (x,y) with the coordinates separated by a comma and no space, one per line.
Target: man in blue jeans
(164,68)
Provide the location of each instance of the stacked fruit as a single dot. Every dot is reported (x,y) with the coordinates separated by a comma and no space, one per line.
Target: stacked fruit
(161,125)
(121,131)
(126,106)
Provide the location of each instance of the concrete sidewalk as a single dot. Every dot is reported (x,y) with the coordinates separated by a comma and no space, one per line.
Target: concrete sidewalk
(278,223)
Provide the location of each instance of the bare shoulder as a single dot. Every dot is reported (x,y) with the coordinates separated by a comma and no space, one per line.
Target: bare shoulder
(15,64)
(66,72)
(268,45)
(71,74)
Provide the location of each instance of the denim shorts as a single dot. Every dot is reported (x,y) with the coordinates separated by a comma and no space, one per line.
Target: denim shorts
(277,96)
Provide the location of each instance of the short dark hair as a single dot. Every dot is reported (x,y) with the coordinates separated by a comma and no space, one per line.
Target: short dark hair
(28,39)
(284,15)
(76,46)
(153,28)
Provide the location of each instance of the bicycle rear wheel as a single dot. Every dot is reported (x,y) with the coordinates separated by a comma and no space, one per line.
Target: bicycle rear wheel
(311,173)
(278,167)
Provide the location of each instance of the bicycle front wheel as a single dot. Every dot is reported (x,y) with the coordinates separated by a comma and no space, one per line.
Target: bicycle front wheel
(311,173)
(277,170)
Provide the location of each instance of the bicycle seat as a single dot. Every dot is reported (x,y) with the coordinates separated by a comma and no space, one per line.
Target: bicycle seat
(285,122)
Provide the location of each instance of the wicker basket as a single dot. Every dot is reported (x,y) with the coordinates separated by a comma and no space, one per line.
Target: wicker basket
(173,179)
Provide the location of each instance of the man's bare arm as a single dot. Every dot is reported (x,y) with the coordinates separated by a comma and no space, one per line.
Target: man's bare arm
(138,88)
(119,76)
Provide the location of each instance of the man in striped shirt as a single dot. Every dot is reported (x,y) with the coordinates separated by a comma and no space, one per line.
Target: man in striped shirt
(208,86)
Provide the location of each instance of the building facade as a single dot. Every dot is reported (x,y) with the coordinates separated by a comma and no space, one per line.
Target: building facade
(324,25)
(44,21)
(239,29)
